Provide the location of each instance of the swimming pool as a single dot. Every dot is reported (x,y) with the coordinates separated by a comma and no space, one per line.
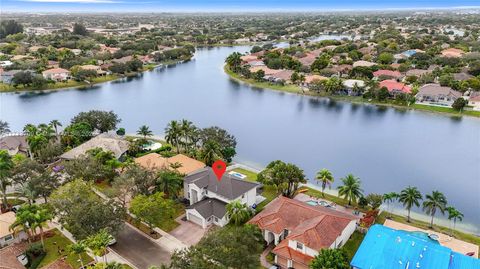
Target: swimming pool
(237,174)
(311,202)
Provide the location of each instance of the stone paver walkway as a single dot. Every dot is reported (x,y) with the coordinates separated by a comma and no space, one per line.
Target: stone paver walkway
(263,257)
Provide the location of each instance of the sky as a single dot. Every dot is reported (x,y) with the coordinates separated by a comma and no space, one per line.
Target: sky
(223,5)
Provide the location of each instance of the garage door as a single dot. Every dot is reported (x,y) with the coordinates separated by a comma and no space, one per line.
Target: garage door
(195,219)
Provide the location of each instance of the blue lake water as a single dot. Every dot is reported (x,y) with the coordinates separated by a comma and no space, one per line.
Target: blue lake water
(387,148)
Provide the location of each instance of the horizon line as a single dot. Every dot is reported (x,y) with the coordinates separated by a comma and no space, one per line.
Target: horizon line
(280,10)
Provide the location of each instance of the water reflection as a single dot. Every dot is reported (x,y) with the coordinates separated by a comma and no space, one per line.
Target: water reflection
(271,125)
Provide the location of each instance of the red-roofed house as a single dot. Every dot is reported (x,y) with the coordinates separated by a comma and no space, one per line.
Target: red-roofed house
(387,73)
(308,59)
(299,230)
(395,87)
(453,52)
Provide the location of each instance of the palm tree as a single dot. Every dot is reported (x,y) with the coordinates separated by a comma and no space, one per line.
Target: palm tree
(173,133)
(144,131)
(350,190)
(188,130)
(234,60)
(29,192)
(98,243)
(55,124)
(454,214)
(6,166)
(390,198)
(210,152)
(409,197)
(41,216)
(4,127)
(175,166)
(432,202)
(238,213)
(326,177)
(78,248)
(23,222)
(169,182)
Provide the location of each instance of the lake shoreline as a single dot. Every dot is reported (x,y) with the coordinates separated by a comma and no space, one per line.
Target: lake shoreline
(417,217)
(294,89)
(81,84)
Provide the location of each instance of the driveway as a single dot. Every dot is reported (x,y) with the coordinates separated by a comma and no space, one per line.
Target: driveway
(188,232)
(139,249)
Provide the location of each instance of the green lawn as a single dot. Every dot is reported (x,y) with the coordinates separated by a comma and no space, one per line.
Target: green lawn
(15,201)
(251,176)
(269,192)
(171,224)
(57,247)
(332,198)
(446,110)
(425,225)
(352,244)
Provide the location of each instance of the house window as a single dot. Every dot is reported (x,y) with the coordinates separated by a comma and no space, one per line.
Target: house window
(8,237)
(289,263)
(215,219)
(299,246)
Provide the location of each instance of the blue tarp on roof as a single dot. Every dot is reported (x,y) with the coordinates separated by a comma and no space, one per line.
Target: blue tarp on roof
(460,261)
(387,248)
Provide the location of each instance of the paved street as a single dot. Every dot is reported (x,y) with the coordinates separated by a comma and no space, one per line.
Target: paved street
(139,249)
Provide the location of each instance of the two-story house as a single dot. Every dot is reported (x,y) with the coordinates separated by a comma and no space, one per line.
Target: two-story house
(208,196)
(299,230)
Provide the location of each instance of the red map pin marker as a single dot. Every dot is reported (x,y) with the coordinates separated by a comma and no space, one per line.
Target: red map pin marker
(219,168)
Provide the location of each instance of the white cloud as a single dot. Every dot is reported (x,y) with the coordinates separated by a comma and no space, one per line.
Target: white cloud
(74,1)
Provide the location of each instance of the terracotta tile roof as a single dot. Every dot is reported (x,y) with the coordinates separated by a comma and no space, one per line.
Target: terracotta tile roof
(392,85)
(308,59)
(6,219)
(189,165)
(9,256)
(316,227)
(389,73)
(283,74)
(155,161)
(453,52)
(55,71)
(247,58)
(311,78)
(284,251)
(265,69)
(152,161)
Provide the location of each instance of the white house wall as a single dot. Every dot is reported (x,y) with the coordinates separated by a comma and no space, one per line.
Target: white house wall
(346,233)
(306,250)
(196,214)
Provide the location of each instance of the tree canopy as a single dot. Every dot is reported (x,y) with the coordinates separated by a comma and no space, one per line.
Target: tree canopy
(84,213)
(236,247)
